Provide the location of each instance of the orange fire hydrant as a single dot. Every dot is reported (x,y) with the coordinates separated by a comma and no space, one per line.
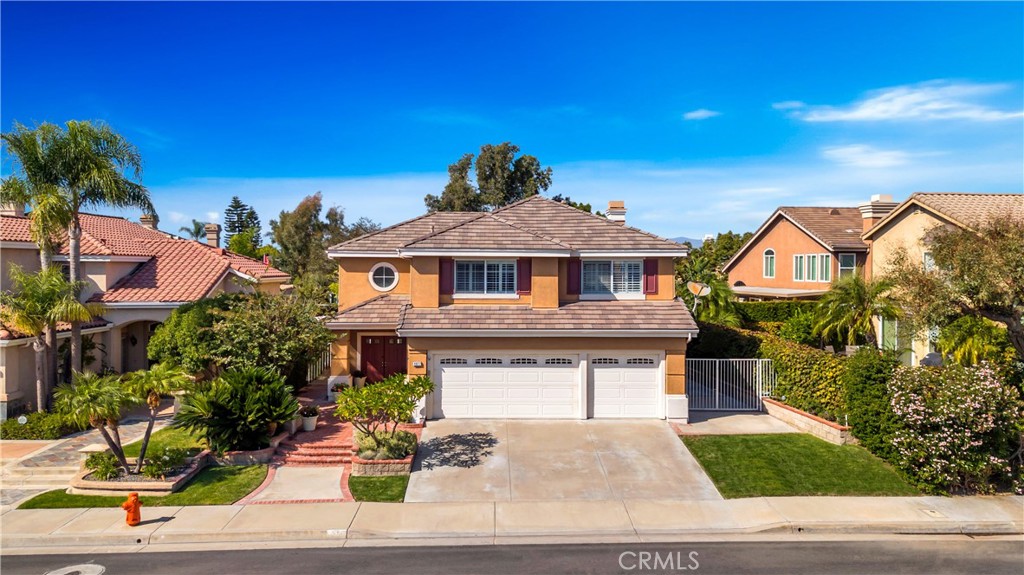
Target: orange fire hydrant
(134,508)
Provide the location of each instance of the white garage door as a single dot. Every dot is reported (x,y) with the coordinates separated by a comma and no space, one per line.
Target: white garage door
(507,386)
(625,385)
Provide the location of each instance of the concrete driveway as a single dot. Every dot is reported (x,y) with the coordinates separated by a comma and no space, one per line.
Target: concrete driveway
(516,460)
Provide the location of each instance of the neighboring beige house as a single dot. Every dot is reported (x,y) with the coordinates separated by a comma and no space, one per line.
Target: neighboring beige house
(138,273)
(906,226)
(534,310)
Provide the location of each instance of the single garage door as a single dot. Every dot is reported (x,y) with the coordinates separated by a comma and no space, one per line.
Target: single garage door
(625,385)
(528,386)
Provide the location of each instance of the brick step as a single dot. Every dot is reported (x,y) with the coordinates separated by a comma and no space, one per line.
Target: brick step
(314,447)
(314,452)
(313,460)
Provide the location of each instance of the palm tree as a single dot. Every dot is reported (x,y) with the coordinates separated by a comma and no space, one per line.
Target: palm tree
(197,232)
(846,311)
(41,299)
(89,165)
(97,401)
(149,385)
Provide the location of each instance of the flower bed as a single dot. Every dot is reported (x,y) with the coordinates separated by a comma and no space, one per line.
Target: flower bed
(83,484)
(255,457)
(388,467)
(812,424)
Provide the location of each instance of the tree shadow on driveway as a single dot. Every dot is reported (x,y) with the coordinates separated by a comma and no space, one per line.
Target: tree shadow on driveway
(455,450)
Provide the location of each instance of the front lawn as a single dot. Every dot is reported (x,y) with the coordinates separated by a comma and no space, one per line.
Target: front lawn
(213,486)
(792,464)
(388,488)
(164,438)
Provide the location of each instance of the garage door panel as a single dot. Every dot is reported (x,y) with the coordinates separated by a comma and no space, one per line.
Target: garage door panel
(524,388)
(629,387)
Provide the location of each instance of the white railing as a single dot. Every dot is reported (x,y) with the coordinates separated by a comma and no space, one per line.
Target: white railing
(319,364)
(729,384)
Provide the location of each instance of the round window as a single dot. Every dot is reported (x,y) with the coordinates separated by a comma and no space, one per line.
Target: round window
(383,277)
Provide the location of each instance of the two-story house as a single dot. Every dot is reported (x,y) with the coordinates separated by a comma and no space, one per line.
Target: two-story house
(139,275)
(534,310)
(798,251)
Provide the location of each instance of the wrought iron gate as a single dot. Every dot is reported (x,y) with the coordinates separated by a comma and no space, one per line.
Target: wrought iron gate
(729,384)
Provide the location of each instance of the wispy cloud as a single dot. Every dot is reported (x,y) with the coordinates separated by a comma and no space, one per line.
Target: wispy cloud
(935,100)
(700,114)
(212,217)
(177,217)
(789,105)
(864,156)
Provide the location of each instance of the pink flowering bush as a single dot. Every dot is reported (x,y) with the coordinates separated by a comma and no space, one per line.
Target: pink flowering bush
(958,427)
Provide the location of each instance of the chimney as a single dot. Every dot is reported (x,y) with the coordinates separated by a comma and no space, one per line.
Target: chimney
(12,209)
(617,211)
(149,221)
(212,234)
(873,211)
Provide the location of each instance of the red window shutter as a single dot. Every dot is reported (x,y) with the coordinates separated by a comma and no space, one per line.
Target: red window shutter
(524,275)
(572,286)
(651,275)
(446,271)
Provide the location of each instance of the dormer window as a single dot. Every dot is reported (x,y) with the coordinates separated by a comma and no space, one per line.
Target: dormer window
(485,277)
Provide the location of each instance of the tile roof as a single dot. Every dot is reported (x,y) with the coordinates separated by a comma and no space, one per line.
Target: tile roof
(578,316)
(176,270)
(385,310)
(972,209)
(837,228)
(393,237)
(533,223)
(7,333)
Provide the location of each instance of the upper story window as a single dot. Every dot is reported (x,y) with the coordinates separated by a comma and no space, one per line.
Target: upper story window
(768,270)
(612,276)
(383,277)
(816,267)
(798,268)
(485,277)
(847,265)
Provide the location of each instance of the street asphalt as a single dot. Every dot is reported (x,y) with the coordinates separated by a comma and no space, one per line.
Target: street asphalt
(892,556)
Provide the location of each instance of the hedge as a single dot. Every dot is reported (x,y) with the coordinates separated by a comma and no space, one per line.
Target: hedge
(869,402)
(808,378)
(38,426)
(772,311)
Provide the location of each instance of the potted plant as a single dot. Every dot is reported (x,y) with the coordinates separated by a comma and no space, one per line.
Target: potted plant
(335,388)
(358,378)
(309,415)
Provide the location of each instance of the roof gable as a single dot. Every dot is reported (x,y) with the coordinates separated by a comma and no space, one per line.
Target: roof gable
(961,208)
(833,228)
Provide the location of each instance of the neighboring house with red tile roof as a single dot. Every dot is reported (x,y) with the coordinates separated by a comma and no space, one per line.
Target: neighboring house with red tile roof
(138,273)
(534,310)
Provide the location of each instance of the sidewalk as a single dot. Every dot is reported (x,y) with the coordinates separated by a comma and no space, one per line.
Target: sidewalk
(512,522)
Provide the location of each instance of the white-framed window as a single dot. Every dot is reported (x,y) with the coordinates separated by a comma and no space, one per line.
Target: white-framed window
(798,268)
(383,277)
(847,265)
(639,361)
(812,267)
(928,261)
(523,361)
(604,361)
(825,268)
(488,361)
(454,361)
(768,270)
(485,277)
(612,276)
(558,361)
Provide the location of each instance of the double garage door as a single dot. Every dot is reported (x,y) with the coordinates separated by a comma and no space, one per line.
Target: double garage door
(546,386)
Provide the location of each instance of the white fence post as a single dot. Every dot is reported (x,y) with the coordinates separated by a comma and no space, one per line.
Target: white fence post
(729,384)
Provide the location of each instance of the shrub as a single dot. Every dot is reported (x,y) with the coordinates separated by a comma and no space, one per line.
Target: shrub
(38,426)
(372,408)
(310,411)
(807,378)
(959,426)
(186,337)
(716,341)
(868,402)
(162,464)
(800,329)
(240,410)
(773,311)
(103,464)
(393,445)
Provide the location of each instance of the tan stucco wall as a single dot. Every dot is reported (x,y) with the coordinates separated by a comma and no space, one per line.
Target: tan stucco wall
(354,284)
(27,259)
(425,282)
(787,240)
(544,283)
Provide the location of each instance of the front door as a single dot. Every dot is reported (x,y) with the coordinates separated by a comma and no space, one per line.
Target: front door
(383,356)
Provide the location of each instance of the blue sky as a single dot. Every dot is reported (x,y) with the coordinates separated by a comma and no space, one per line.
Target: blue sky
(702,117)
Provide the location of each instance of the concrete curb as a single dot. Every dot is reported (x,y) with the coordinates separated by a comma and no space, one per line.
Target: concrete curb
(515,522)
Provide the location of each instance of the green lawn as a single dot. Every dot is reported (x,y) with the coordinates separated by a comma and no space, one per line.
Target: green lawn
(792,464)
(391,488)
(213,486)
(166,437)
